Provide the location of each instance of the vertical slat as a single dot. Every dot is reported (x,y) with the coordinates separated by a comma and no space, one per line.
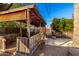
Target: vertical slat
(18,44)
(22,45)
(36,42)
(4,45)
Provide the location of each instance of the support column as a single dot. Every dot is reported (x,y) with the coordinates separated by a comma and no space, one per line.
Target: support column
(45,39)
(20,28)
(3,44)
(28,25)
(76,26)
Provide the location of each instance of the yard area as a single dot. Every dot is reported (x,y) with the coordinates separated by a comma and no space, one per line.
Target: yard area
(58,47)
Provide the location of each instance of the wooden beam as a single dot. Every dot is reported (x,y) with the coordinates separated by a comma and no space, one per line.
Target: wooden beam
(35,18)
(35,15)
(38,14)
(28,24)
(13,16)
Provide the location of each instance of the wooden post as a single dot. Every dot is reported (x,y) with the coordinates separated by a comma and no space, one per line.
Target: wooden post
(28,25)
(40,27)
(20,28)
(45,30)
(45,34)
(3,44)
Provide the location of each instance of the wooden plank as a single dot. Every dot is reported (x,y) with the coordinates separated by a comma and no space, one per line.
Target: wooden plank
(17,9)
(13,16)
(22,45)
(38,42)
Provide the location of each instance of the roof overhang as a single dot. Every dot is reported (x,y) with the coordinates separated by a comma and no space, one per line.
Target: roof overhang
(19,14)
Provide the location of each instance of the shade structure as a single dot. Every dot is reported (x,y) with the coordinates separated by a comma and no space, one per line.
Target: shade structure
(20,14)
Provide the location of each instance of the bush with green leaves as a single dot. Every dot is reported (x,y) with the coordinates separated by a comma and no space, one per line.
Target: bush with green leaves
(62,24)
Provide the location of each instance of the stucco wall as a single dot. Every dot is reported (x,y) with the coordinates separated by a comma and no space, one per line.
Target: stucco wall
(76,26)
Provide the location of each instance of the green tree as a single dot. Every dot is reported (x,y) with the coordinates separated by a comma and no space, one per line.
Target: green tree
(62,24)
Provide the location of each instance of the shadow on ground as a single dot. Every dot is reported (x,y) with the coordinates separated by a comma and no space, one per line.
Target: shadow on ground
(57,51)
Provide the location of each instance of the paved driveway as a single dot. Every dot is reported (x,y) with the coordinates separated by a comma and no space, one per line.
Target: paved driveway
(54,47)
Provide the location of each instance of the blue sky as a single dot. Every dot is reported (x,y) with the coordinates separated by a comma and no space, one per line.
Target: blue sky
(52,10)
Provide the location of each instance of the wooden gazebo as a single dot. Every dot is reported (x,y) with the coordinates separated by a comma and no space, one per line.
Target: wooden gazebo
(29,15)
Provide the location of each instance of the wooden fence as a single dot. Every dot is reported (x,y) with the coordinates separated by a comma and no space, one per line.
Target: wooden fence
(22,46)
(35,42)
(5,40)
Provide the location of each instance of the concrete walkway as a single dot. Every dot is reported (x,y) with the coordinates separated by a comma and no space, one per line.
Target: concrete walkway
(58,41)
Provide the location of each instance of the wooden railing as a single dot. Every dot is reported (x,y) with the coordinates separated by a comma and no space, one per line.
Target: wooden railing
(7,39)
(22,45)
(34,42)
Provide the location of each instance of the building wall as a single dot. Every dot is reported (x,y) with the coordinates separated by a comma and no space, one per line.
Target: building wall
(76,26)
